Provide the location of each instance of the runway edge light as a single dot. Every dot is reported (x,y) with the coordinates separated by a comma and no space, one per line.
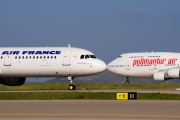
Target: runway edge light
(126,95)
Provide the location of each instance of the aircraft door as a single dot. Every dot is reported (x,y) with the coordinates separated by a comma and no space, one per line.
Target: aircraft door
(7,60)
(66,58)
(127,66)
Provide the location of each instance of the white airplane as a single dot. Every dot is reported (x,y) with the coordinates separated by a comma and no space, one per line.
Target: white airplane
(17,63)
(158,65)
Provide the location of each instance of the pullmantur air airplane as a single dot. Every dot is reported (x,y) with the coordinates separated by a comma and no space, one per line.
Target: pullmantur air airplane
(17,63)
(158,65)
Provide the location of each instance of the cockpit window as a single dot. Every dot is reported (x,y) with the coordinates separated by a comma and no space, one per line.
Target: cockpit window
(87,56)
(120,56)
(92,56)
(82,57)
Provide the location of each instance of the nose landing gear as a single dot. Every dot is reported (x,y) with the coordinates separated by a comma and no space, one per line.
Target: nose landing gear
(71,86)
(127,80)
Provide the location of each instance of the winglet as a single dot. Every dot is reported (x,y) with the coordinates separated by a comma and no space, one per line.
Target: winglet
(69,45)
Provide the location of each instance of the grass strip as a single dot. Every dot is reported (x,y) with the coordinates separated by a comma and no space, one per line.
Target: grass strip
(64,86)
(80,96)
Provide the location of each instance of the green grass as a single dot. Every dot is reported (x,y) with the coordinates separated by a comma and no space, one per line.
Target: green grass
(83,95)
(158,96)
(55,95)
(64,86)
(80,96)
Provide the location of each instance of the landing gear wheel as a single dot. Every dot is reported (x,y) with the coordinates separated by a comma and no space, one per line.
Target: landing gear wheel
(72,87)
(127,80)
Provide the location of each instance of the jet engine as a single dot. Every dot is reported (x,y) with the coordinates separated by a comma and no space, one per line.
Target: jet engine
(174,73)
(160,76)
(12,81)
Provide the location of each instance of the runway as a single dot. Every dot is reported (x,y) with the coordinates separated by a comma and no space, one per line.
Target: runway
(89,109)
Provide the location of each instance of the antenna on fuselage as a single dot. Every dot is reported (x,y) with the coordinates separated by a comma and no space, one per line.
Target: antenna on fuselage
(69,45)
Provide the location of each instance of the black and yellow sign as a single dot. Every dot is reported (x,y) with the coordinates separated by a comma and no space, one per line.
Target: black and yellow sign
(126,96)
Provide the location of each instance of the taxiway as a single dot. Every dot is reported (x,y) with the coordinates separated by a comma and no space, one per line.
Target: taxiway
(89,109)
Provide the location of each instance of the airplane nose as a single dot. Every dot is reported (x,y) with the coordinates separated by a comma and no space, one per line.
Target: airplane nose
(101,66)
(110,67)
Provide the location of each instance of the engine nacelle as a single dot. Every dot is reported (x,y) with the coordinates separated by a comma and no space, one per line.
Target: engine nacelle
(174,73)
(160,76)
(12,81)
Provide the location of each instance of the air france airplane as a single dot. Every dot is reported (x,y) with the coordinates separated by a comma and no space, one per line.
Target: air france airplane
(17,63)
(158,65)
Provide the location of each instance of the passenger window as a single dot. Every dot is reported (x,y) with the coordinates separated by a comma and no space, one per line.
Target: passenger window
(22,57)
(37,57)
(15,57)
(40,57)
(51,57)
(47,57)
(26,57)
(55,57)
(44,57)
(19,57)
(87,56)
(29,57)
(33,57)
(82,57)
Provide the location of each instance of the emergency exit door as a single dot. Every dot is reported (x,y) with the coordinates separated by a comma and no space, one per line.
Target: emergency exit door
(7,60)
(66,58)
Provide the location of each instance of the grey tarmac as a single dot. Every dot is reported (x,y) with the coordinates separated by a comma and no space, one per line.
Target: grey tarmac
(89,109)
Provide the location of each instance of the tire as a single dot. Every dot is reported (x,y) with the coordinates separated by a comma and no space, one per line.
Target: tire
(72,87)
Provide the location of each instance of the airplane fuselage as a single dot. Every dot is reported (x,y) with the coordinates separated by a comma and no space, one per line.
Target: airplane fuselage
(46,62)
(144,65)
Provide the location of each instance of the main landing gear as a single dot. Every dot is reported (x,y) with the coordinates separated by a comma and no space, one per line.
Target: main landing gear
(71,86)
(127,80)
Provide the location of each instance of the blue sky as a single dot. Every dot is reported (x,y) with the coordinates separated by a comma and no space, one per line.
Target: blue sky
(108,28)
